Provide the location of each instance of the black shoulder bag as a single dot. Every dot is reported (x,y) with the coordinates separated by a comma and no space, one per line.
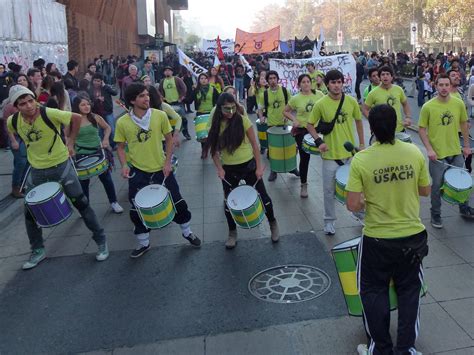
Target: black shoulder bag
(326,127)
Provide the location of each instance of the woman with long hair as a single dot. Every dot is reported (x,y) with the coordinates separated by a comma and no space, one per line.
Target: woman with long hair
(205,98)
(236,155)
(58,95)
(302,104)
(46,84)
(88,143)
(215,80)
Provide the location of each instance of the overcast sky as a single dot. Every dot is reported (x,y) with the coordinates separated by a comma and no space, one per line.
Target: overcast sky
(209,18)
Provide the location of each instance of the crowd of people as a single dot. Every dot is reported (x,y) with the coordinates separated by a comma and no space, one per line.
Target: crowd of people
(52,121)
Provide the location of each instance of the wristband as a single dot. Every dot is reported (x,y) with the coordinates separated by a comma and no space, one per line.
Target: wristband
(318,141)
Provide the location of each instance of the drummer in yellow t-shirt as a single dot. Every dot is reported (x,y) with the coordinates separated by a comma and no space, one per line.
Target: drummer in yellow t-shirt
(302,104)
(235,153)
(386,180)
(441,118)
(142,130)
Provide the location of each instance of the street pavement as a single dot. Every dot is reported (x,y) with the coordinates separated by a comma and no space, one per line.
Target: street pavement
(71,289)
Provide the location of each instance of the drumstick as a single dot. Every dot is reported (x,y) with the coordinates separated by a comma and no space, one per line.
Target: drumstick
(453,166)
(228,183)
(24,180)
(122,105)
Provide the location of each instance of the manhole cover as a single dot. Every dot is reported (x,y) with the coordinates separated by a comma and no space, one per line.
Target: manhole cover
(289,284)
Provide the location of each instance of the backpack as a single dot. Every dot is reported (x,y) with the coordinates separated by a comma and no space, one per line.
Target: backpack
(48,123)
(265,99)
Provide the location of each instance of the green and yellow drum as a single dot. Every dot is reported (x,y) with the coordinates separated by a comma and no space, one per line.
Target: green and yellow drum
(91,165)
(154,206)
(281,149)
(245,206)
(457,186)
(342,176)
(200,126)
(309,146)
(262,133)
(345,257)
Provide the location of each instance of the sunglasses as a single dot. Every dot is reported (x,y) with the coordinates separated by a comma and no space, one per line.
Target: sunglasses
(229,109)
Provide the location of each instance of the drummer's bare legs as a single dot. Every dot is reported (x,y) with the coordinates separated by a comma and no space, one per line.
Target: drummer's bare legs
(66,176)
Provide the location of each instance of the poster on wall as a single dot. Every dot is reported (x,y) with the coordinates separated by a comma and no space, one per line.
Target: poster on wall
(289,70)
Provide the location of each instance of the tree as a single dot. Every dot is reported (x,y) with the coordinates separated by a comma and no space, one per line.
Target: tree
(192,40)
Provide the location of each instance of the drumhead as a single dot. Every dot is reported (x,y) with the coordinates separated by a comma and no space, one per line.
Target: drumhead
(281,130)
(458,178)
(348,244)
(92,160)
(151,196)
(404,137)
(342,173)
(242,197)
(308,138)
(43,192)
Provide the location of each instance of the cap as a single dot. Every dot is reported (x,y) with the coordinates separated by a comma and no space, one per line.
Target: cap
(18,90)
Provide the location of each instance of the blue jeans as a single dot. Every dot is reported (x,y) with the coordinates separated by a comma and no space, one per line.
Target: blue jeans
(20,164)
(141,179)
(106,180)
(420,85)
(239,87)
(110,119)
(182,112)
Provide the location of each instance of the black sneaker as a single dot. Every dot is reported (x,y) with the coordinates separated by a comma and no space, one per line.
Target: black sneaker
(436,221)
(139,251)
(295,172)
(187,136)
(193,240)
(272,176)
(466,211)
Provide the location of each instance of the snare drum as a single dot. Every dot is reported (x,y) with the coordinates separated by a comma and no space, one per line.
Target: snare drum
(404,137)
(245,206)
(48,204)
(281,149)
(309,146)
(457,186)
(91,165)
(342,176)
(345,257)
(155,206)
(200,126)
(262,133)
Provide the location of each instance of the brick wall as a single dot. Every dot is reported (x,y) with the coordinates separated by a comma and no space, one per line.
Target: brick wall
(101,27)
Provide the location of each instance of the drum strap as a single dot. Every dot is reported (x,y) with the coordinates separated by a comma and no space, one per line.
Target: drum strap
(339,162)
(48,123)
(265,99)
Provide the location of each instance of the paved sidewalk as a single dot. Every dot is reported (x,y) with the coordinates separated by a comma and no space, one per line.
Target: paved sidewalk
(447,313)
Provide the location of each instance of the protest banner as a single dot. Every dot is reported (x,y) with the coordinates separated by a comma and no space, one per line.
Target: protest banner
(209,46)
(190,64)
(289,70)
(254,43)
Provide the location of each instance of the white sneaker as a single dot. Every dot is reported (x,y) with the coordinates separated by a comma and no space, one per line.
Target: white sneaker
(329,228)
(362,349)
(116,207)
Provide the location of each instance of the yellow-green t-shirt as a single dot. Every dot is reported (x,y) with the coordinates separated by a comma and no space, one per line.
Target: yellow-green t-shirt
(204,104)
(145,147)
(442,120)
(244,152)
(259,97)
(303,105)
(276,105)
(457,95)
(394,97)
(322,88)
(217,86)
(38,138)
(389,176)
(171,92)
(173,117)
(313,77)
(343,130)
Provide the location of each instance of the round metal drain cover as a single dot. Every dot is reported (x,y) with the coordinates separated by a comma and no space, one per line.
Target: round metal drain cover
(289,284)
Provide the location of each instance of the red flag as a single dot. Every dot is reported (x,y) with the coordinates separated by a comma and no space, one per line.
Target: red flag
(220,52)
